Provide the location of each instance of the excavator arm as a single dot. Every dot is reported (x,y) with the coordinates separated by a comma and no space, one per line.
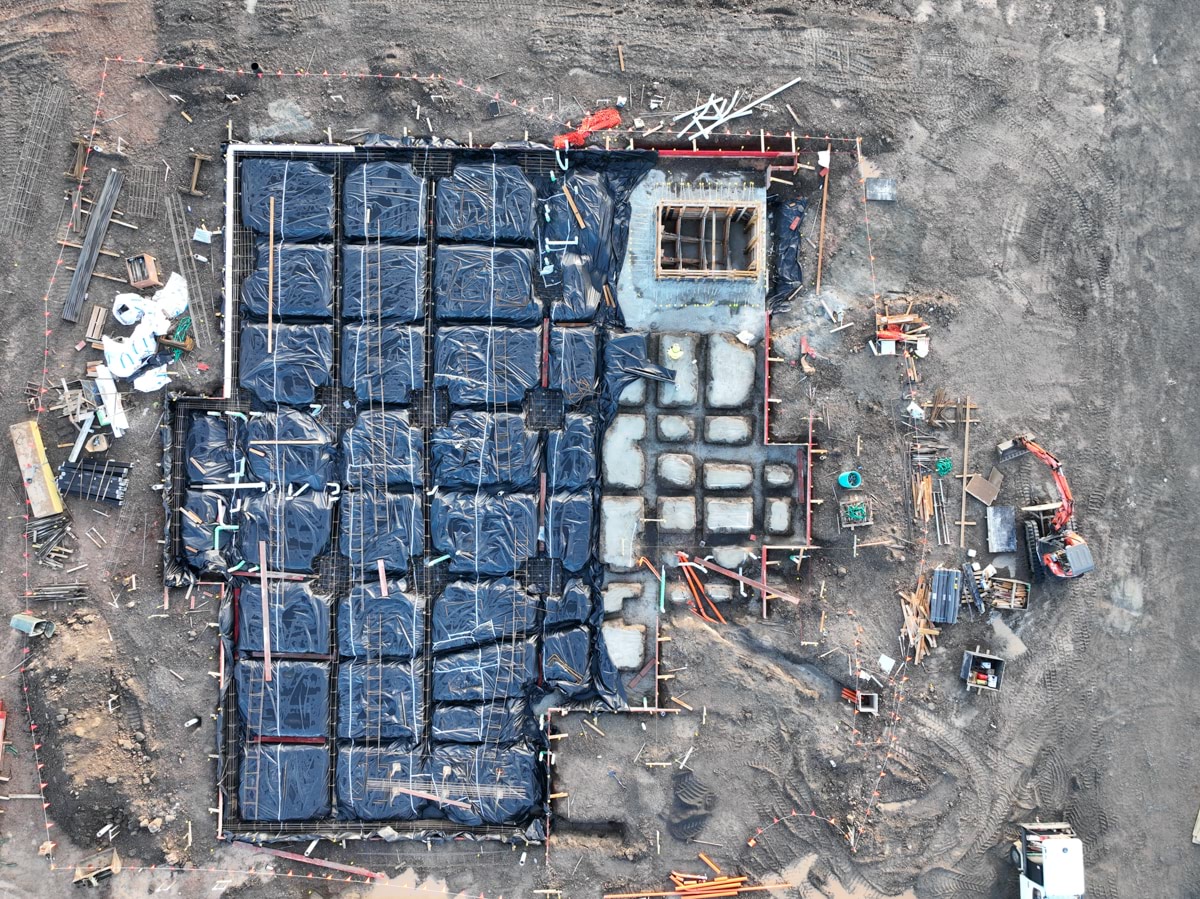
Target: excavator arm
(1067,509)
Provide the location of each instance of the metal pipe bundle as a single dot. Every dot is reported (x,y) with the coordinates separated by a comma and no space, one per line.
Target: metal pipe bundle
(104,482)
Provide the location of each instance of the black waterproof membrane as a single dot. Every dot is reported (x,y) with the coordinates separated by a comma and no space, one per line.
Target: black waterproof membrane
(415,443)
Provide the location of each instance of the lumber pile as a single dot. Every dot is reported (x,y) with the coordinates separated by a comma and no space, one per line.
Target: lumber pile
(917,634)
(703,886)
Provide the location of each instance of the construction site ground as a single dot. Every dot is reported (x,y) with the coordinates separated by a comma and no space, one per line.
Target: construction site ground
(1042,227)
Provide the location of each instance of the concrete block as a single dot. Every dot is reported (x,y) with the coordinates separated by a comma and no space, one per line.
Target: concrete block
(620,528)
(626,645)
(676,470)
(719,592)
(732,556)
(678,593)
(634,394)
(616,594)
(678,353)
(727,476)
(734,515)
(676,428)
(678,513)
(779,516)
(624,461)
(731,368)
(779,474)
(734,430)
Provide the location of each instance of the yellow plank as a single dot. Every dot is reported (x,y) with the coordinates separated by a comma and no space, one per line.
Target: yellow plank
(44,498)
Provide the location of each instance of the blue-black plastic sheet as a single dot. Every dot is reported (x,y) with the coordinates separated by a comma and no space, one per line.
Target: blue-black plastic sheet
(380,700)
(567,661)
(383,200)
(487,366)
(303,282)
(213,449)
(383,363)
(486,202)
(293,703)
(569,529)
(472,613)
(206,548)
(573,363)
(789,242)
(364,778)
(299,618)
(485,534)
(501,785)
(571,453)
(486,284)
(296,529)
(495,671)
(303,193)
(503,721)
(290,447)
(575,605)
(484,449)
(301,361)
(382,450)
(375,626)
(381,282)
(379,526)
(283,782)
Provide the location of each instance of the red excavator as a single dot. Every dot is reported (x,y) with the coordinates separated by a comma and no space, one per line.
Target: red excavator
(1051,540)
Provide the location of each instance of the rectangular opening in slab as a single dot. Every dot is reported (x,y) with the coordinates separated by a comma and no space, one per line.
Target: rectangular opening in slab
(707,241)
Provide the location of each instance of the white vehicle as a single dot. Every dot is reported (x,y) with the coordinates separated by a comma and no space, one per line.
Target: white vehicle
(1049,858)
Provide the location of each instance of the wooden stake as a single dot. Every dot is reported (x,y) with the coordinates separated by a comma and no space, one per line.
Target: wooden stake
(824,204)
(575,209)
(271,279)
(621,56)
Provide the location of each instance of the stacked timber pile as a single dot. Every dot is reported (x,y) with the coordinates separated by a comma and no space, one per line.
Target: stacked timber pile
(918,635)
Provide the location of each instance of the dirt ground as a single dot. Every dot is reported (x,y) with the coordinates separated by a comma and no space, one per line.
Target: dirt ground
(1043,160)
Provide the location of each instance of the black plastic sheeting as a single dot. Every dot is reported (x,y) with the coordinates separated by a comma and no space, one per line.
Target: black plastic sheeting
(495,649)
(486,284)
(376,525)
(485,534)
(213,449)
(571,453)
(301,362)
(500,785)
(383,363)
(569,529)
(372,625)
(284,783)
(789,241)
(293,703)
(496,671)
(626,360)
(471,614)
(382,450)
(486,202)
(383,200)
(206,548)
(303,193)
(296,529)
(487,366)
(383,283)
(303,282)
(581,297)
(573,363)
(505,721)
(484,449)
(289,447)
(380,700)
(299,618)
(363,776)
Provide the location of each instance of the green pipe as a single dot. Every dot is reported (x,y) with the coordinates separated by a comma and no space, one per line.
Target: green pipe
(662,590)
